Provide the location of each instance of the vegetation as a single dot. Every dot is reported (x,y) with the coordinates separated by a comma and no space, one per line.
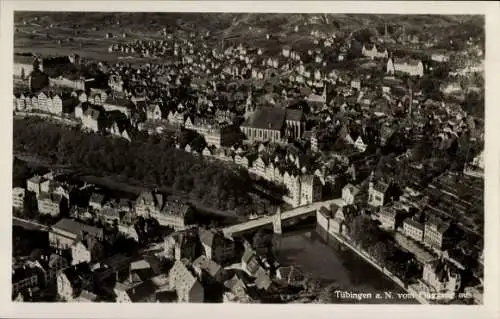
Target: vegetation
(150,160)
(380,245)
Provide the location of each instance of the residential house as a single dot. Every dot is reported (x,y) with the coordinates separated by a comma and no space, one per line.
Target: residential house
(380,193)
(387,217)
(238,290)
(18,195)
(34,184)
(64,233)
(149,203)
(153,112)
(51,204)
(215,246)
(90,119)
(175,214)
(115,103)
(88,250)
(86,296)
(182,244)
(73,280)
(373,53)
(134,290)
(441,278)
(349,193)
(188,288)
(207,270)
(360,144)
(24,278)
(310,189)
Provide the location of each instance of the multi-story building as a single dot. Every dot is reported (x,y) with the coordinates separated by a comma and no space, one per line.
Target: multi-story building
(215,246)
(188,288)
(50,204)
(437,233)
(18,195)
(408,66)
(215,134)
(413,229)
(349,193)
(24,277)
(441,278)
(34,184)
(64,233)
(387,218)
(373,53)
(90,119)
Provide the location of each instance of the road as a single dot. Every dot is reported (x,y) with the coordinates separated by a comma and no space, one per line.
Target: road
(28,224)
(284,215)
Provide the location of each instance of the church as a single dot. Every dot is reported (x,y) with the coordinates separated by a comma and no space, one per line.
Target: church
(273,124)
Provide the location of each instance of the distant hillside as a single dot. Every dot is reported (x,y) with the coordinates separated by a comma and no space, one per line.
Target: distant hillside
(229,23)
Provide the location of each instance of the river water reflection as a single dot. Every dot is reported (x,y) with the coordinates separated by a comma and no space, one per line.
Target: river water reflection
(338,266)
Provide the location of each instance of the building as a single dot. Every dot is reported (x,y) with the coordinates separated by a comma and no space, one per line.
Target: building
(188,288)
(34,184)
(215,134)
(23,65)
(440,277)
(174,214)
(311,189)
(90,119)
(274,124)
(134,290)
(215,246)
(380,193)
(153,112)
(64,233)
(207,270)
(73,280)
(413,229)
(182,244)
(24,278)
(88,250)
(18,195)
(387,218)
(409,66)
(51,204)
(373,53)
(349,193)
(437,233)
(115,103)
(149,202)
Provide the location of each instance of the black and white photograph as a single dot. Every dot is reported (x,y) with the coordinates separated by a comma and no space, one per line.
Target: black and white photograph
(247,157)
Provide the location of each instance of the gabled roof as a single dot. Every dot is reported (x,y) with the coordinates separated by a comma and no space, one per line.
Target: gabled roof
(77,228)
(267,118)
(208,265)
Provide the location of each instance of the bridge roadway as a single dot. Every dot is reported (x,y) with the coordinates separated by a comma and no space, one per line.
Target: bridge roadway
(259,222)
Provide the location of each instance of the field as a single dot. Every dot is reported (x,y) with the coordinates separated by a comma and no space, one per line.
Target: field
(57,33)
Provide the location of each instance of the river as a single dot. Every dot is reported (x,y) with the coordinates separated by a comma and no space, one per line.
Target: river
(338,266)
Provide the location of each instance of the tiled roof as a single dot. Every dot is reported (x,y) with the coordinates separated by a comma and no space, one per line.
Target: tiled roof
(175,208)
(267,118)
(77,228)
(210,266)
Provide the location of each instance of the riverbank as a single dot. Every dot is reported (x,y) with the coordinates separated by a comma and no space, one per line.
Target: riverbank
(366,257)
(338,267)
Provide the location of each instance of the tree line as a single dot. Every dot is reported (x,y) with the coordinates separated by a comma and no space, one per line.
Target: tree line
(151,161)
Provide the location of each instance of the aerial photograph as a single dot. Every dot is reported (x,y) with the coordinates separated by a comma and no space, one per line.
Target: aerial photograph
(272,158)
